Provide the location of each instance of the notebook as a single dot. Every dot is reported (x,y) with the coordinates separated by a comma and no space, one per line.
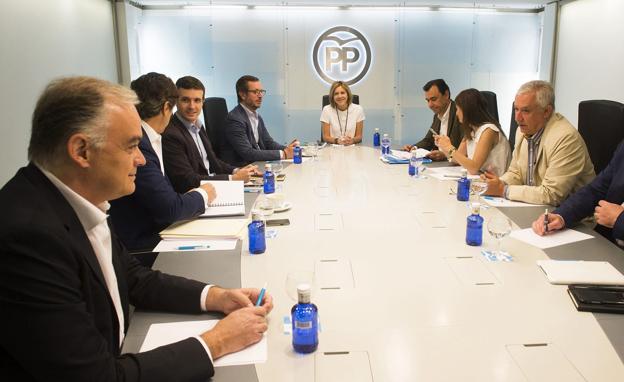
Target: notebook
(597,298)
(580,272)
(230,199)
(205,229)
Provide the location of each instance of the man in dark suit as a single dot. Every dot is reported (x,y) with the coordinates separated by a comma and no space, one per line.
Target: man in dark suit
(604,197)
(438,97)
(154,205)
(66,281)
(188,154)
(246,138)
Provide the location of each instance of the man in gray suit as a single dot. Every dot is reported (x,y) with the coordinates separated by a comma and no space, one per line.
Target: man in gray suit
(246,138)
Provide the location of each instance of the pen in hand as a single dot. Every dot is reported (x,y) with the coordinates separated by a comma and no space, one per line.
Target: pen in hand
(261,295)
(546,220)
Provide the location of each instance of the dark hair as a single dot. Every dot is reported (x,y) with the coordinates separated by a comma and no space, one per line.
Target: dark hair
(153,90)
(440,84)
(69,106)
(190,82)
(241,85)
(475,113)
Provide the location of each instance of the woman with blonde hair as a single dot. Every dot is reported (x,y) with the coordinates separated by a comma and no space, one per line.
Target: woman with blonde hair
(342,121)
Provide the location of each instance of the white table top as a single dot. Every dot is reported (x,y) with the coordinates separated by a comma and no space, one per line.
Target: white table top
(400,291)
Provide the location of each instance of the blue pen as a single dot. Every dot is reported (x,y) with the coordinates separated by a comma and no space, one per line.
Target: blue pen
(261,295)
(188,247)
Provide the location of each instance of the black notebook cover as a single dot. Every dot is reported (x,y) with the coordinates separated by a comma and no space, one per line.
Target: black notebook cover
(597,298)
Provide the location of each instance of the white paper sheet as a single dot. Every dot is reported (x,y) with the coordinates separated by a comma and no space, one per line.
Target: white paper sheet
(202,245)
(448,173)
(502,202)
(581,272)
(420,153)
(164,334)
(565,236)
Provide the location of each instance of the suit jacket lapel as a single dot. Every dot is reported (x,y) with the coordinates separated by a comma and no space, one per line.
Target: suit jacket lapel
(190,142)
(69,218)
(250,134)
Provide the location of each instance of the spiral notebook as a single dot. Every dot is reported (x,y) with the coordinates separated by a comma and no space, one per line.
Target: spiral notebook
(230,199)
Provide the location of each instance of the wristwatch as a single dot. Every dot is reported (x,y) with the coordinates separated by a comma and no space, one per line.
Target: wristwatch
(335,141)
(450,153)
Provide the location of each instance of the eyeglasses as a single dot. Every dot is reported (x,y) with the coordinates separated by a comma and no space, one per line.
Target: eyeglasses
(257,91)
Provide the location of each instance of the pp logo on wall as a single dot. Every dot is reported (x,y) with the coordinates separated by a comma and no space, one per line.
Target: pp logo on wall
(342,54)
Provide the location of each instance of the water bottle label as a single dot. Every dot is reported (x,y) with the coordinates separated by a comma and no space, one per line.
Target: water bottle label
(303,324)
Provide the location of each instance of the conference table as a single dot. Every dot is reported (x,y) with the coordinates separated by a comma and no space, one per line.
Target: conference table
(401,296)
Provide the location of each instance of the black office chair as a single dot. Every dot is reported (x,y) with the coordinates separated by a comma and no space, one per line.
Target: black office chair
(513,126)
(355,99)
(215,111)
(601,124)
(492,104)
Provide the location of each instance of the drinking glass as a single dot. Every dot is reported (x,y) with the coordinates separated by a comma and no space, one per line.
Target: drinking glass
(478,187)
(312,150)
(294,278)
(499,227)
(263,206)
(277,167)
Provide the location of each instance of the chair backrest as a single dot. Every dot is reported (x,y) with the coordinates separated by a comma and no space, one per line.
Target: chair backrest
(492,104)
(325,102)
(356,100)
(601,124)
(215,111)
(513,126)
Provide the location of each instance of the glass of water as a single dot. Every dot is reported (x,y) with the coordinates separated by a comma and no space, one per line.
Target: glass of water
(478,187)
(499,227)
(277,167)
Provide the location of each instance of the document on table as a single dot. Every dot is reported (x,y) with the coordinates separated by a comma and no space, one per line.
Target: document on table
(420,153)
(205,229)
(448,173)
(230,200)
(164,334)
(565,236)
(580,272)
(502,202)
(195,245)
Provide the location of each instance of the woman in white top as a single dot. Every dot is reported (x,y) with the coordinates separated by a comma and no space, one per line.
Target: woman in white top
(485,147)
(342,121)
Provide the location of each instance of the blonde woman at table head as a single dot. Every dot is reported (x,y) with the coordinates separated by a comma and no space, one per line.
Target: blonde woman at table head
(342,121)
(484,146)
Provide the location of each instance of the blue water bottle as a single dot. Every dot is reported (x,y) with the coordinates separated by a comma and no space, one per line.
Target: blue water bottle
(463,187)
(257,239)
(304,317)
(414,163)
(385,145)
(376,138)
(268,179)
(474,227)
(297,155)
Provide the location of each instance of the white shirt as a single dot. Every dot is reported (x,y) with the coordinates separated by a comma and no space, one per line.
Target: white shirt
(342,123)
(93,221)
(156,141)
(254,120)
(193,129)
(444,120)
(500,155)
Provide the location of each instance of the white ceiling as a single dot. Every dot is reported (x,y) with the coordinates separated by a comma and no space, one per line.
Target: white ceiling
(526,4)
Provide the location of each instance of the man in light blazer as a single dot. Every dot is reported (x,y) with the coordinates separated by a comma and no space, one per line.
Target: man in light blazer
(246,139)
(66,281)
(550,160)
